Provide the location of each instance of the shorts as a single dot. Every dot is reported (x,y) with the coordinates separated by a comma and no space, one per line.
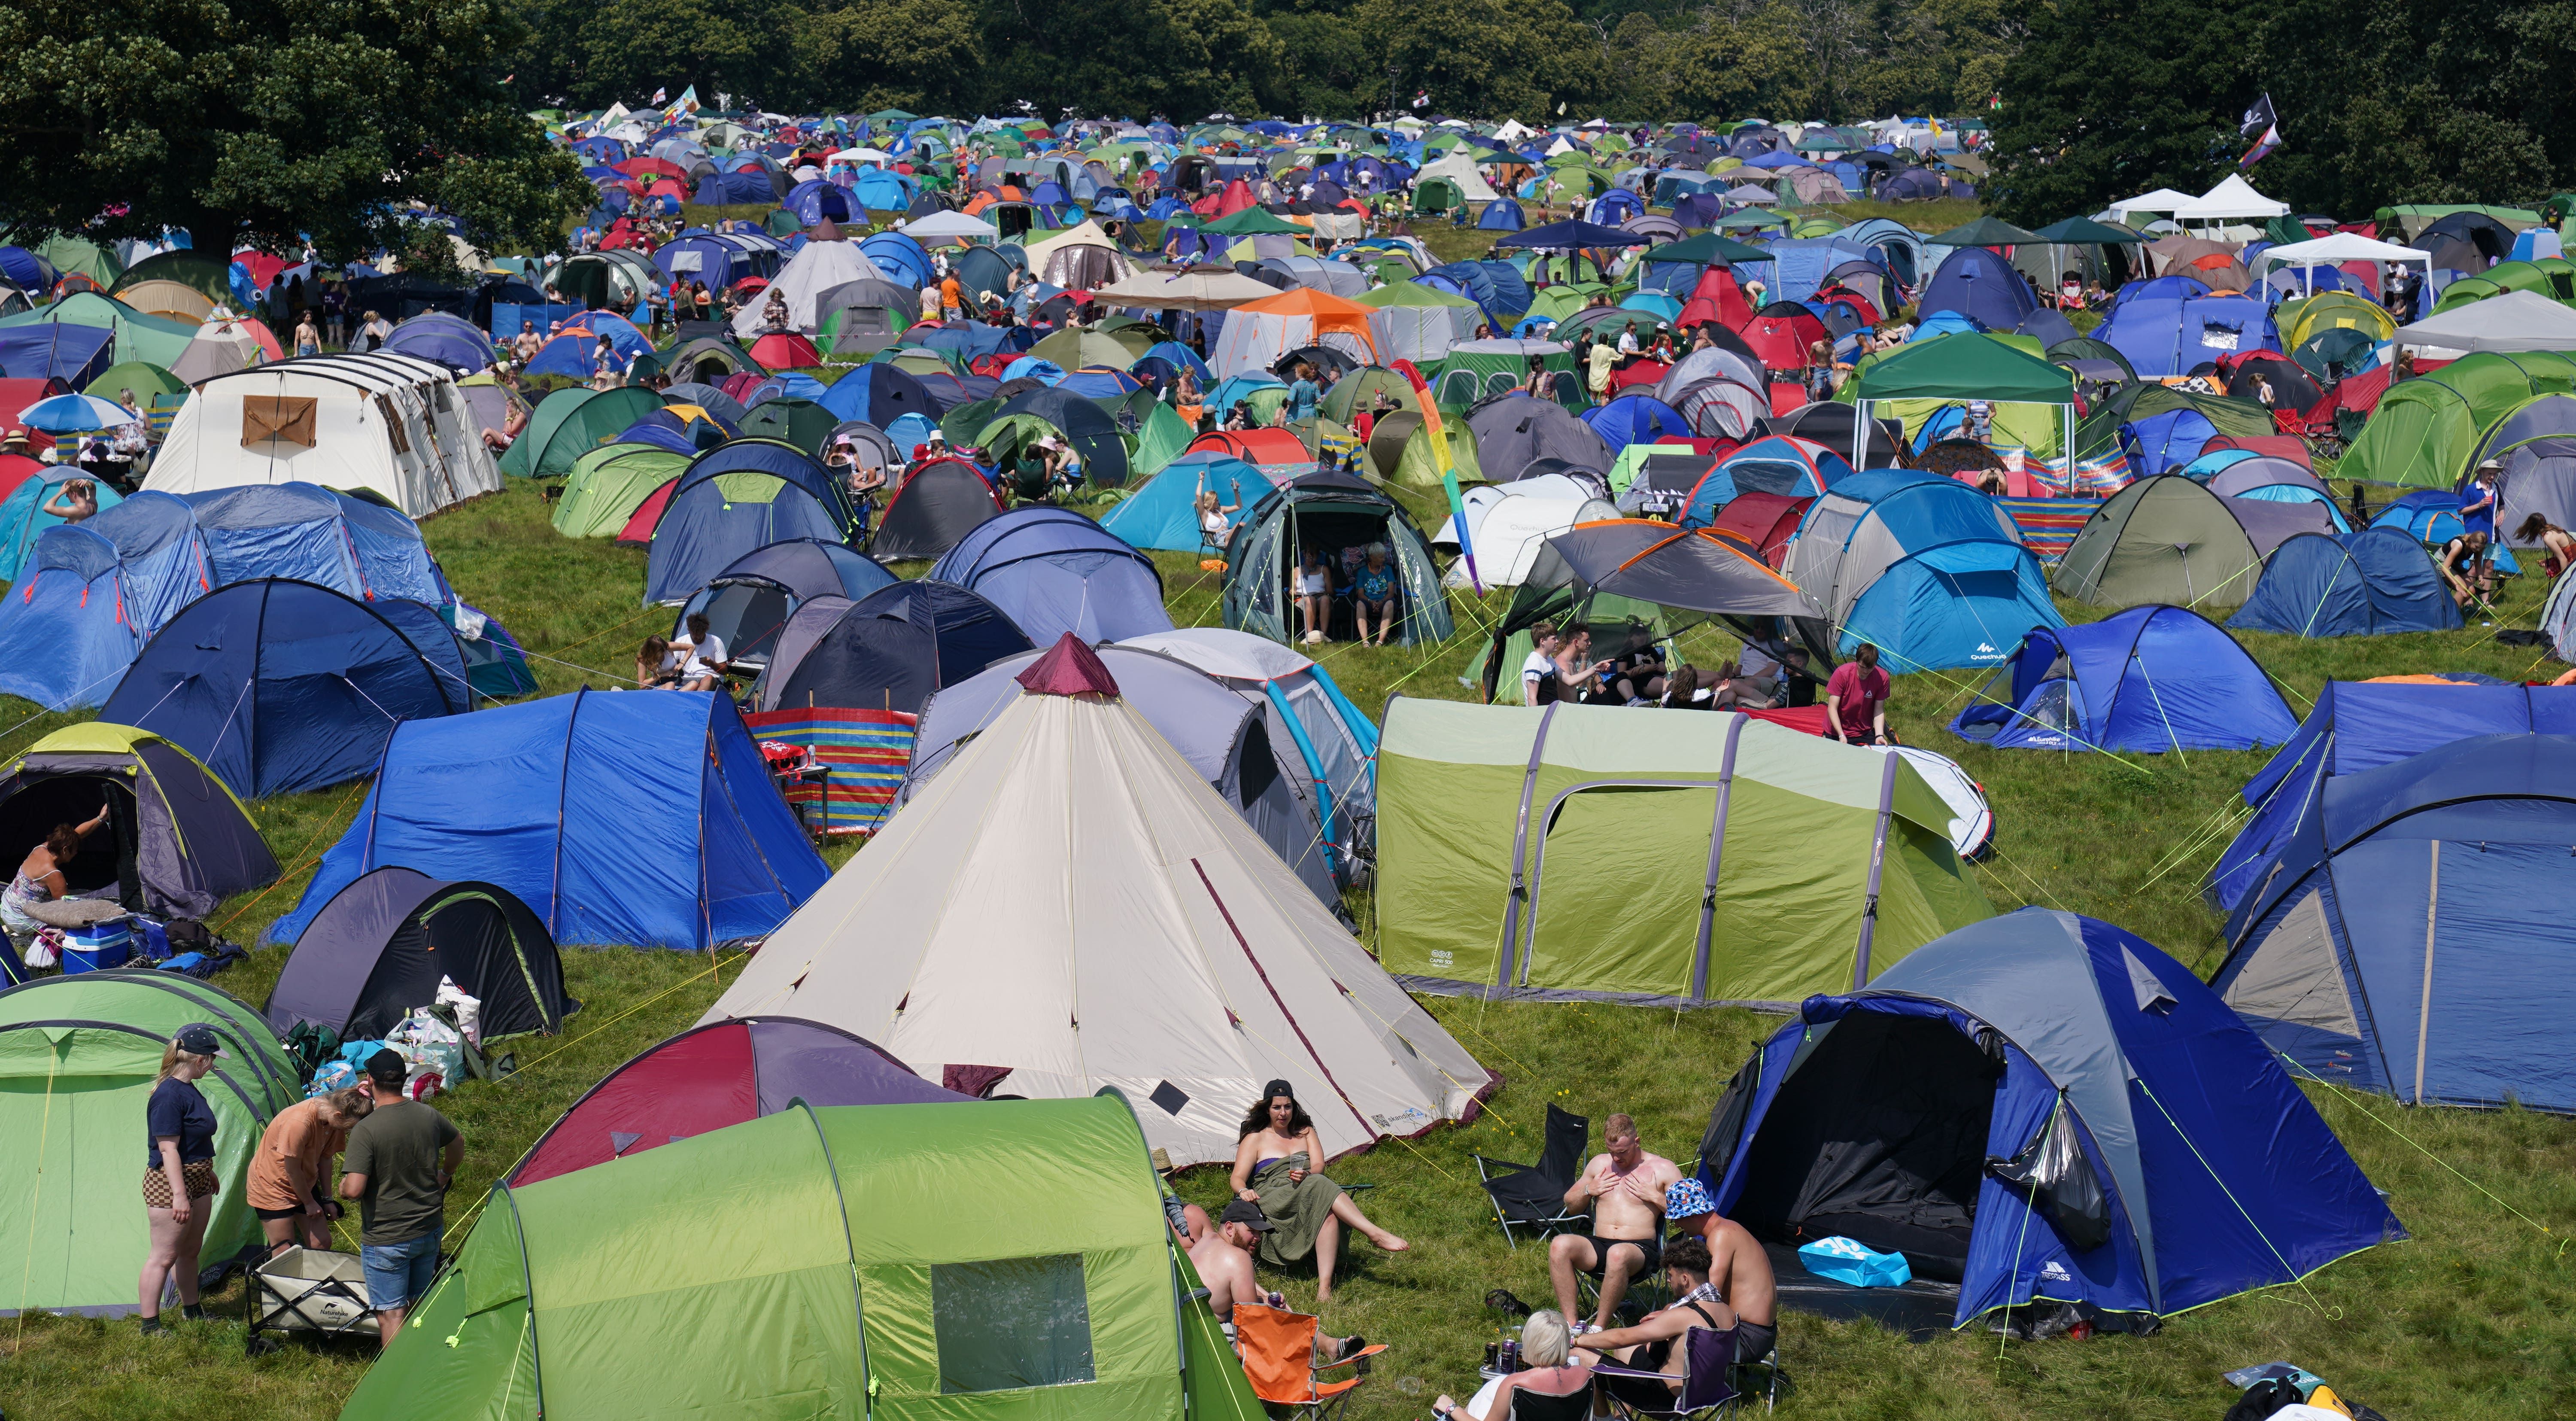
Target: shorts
(399,1274)
(1653,1248)
(199,1174)
(1754,1340)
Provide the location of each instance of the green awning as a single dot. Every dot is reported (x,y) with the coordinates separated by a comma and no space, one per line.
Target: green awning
(1707,249)
(1966,366)
(2084,231)
(1254,221)
(1986,232)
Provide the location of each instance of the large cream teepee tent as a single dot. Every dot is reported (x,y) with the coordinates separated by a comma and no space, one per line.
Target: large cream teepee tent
(1069,903)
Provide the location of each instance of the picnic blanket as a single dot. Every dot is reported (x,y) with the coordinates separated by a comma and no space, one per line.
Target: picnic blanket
(867,750)
(2048,525)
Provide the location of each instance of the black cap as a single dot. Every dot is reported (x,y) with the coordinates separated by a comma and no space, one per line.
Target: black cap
(1276,1089)
(199,1039)
(387,1068)
(1248,1214)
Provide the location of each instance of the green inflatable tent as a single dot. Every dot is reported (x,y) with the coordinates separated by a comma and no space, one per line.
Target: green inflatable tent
(570,423)
(1653,857)
(79,1057)
(990,1261)
(609,483)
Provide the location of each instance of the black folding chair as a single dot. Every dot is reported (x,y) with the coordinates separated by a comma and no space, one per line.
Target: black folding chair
(1532,1196)
(1539,1406)
(1708,1379)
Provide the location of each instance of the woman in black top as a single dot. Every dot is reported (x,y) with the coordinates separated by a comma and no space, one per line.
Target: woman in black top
(179,1175)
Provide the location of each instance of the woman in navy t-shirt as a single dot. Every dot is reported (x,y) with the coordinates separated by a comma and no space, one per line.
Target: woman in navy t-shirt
(179,1172)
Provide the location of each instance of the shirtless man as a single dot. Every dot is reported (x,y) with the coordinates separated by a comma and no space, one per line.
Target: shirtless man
(1737,1266)
(1655,1343)
(1625,1190)
(1223,1258)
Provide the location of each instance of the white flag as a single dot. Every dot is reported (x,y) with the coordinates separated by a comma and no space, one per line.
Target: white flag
(660,94)
(1422,98)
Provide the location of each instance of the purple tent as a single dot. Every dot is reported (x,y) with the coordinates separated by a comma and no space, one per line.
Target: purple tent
(381,945)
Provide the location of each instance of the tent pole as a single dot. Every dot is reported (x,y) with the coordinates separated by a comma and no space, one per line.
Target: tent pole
(2424,1002)
(1877,865)
(1716,855)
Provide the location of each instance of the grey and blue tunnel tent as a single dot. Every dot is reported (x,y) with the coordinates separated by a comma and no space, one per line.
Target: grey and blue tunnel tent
(621,820)
(178,842)
(2361,725)
(937,505)
(2388,944)
(1329,512)
(383,944)
(1927,569)
(1222,732)
(2372,583)
(2169,539)
(1052,571)
(279,686)
(79,1057)
(2041,1106)
(719,1074)
(2145,680)
(887,651)
(747,605)
(736,497)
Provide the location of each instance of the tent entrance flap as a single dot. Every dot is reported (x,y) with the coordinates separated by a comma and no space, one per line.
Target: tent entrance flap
(106,860)
(1878,1135)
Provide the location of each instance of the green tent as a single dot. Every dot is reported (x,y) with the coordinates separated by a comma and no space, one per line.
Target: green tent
(1988,232)
(143,378)
(1565,853)
(802,423)
(1076,349)
(1253,221)
(2033,400)
(570,423)
(847,1262)
(70,255)
(2424,429)
(210,278)
(1417,467)
(1358,391)
(79,1057)
(1706,249)
(2162,539)
(2099,433)
(1160,436)
(609,483)
(150,339)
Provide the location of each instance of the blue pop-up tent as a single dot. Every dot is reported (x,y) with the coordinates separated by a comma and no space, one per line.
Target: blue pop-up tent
(2391,943)
(732,499)
(1053,571)
(2148,679)
(280,686)
(880,394)
(314,534)
(92,593)
(1163,513)
(1925,568)
(2370,583)
(748,603)
(1981,285)
(1637,419)
(1898,1114)
(644,819)
(23,517)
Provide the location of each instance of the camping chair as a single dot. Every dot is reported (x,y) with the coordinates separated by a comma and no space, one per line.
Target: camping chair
(1278,1351)
(158,414)
(1708,1369)
(1533,1195)
(1539,1406)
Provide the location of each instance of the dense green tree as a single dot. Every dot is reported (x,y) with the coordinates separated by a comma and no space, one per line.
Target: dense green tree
(2111,98)
(1490,58)
(268,122)
(865,55)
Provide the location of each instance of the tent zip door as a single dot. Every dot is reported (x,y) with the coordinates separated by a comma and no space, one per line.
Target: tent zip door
(1695,985)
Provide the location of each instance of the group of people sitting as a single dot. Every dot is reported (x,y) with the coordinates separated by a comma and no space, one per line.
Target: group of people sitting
(1770,675)
(695,661)
(1365,574)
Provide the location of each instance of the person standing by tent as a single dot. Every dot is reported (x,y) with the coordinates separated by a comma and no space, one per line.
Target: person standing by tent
(1605,358)
(1856,700)
(1304,394)
(1275,1155)
(375,332)
(1538,673)
(294,1158)
(308,340)
(400,1160)
(178,1172)
(524,347)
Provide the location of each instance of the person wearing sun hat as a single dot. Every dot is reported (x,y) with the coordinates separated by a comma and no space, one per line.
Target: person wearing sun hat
(1738,1267)
(178,1172)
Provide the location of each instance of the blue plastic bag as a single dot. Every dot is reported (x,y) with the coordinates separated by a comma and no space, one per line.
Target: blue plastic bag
(1850,1261)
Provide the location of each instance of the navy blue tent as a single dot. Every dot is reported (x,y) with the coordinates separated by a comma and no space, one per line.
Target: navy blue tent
(59,350)
(748,603)
(932,508)
(279,686)
(2361,725)
(1980,285)
(1053,571)
(442,339)
(880,394)
(733,189)
(2370,583)
(1637,419)
(644,820)
(815,199)
(2148,679)
(1929,1114)
(888,651)
(2404,938)
(732,499)
(1575,234)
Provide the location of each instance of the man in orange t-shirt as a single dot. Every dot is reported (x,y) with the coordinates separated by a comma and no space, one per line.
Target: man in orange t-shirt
(293,1160)
(952,295)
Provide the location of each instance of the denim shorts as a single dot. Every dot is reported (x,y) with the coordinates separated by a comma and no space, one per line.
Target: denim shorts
(398,1274)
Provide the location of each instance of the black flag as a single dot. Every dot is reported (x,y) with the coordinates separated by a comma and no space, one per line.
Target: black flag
(2257,118)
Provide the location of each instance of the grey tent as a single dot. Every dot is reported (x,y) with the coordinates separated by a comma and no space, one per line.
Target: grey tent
(381,946)
(2264,471)
(1329,512)
(1515,431)
(2536,444)
(2169,539)
(1221,731)
(2507,321)
(177,841)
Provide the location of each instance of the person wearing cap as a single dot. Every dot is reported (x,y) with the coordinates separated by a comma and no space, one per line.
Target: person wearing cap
(178,1171)
(1737,1267)
(400,1161)
(1274,1166)
(1223,1258)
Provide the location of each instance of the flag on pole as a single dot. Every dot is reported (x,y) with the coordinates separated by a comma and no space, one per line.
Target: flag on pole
(2262,148)
(2259,118)
(659,95)
(1422,98)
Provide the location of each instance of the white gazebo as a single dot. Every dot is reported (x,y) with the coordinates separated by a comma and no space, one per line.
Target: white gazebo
(2233,200)
(2163,200)
(2336,248)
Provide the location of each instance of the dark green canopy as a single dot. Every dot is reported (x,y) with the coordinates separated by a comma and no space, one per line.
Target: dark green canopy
(1968,365)
(1253,221)
(2084,231)
(1707,249)
(1986,232)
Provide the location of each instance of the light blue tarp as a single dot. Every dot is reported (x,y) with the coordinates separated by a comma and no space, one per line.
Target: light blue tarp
(1163,514)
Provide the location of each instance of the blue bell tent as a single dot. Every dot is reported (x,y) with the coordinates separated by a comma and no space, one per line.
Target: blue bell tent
(1893,1115)
(2392,944)
(280,686)
(2144,680)
(733,499)
(1053,571)
(1163,513)
(570,802)
(2371,583)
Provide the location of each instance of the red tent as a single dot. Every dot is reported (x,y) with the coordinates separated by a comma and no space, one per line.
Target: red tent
(1781,334)
(1716,298)
(1764,520)
(638,531)
(1254,446)
(16,395)
(784,350)
(1640,371)
(16,469)
(656,167)
(1236,197)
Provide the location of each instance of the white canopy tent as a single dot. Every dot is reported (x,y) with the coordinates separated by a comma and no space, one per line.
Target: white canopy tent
(948,227)
(2508,321)
(2336,248)
(2163,200)
(2233,200)
(1459,169)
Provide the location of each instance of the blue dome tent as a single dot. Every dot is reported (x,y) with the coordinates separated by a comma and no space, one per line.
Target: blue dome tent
(573,804)
(732,499)
(2384,946)
(748,603)
(1501,215)
(1637,419)
(2173,329)
(1897,1114)
(23,518)
(1924,567)
(1981,285)
(1163,514)
(902,259)
(1779,463)
(279,686)
(1053,571)
(816,199)
(879,394)
(92,593)
(2371,583)
(314,534)
(2145,680)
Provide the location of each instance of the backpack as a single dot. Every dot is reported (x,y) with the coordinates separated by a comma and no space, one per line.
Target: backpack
(2265,1397)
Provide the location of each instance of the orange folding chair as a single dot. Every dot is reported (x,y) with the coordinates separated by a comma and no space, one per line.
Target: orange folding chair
(1278,1351)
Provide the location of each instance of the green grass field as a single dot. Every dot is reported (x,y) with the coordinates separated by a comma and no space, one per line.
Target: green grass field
(2475,1317)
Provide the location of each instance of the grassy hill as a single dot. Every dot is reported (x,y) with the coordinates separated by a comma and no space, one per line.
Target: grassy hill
(2475,1316)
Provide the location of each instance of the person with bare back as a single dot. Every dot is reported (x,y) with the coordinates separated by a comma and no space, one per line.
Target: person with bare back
(1737,1266)
(1624,1187)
